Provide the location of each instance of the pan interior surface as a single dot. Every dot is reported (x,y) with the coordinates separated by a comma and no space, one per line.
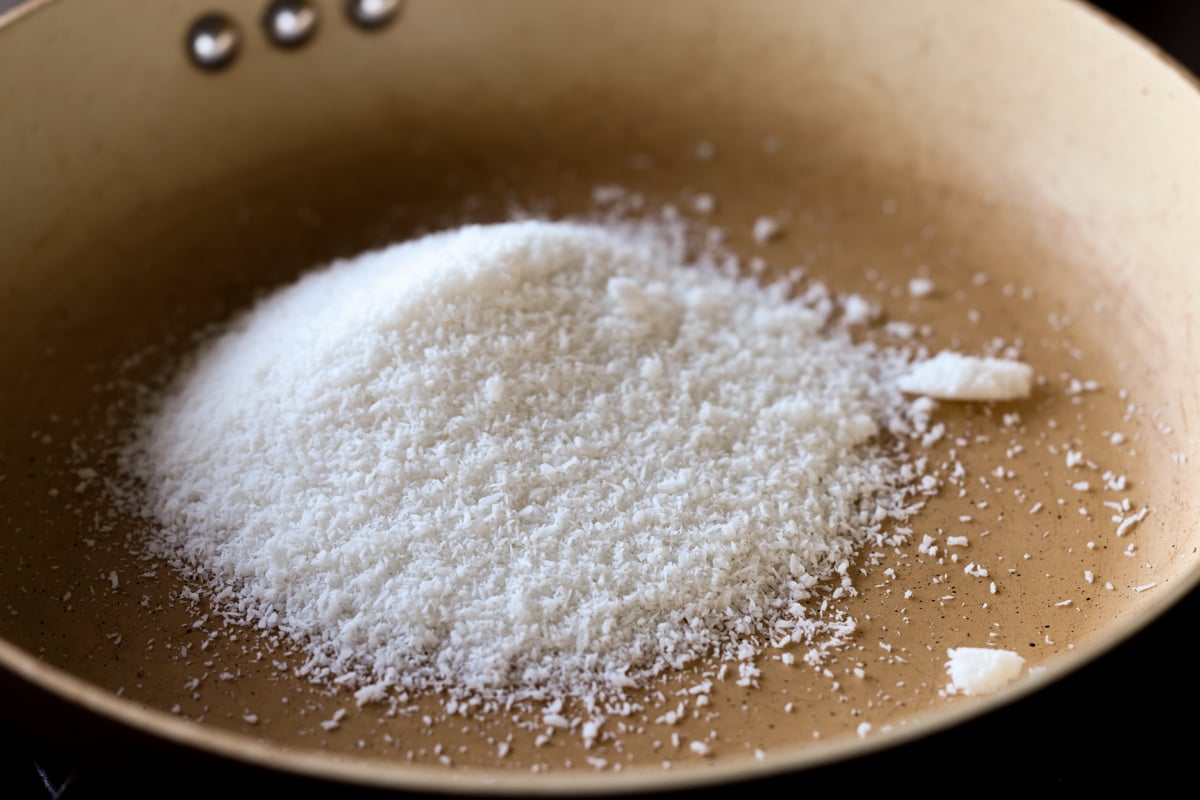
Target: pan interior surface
(1033,163)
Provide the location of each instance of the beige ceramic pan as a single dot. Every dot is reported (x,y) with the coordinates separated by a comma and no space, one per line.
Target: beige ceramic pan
(1033,161)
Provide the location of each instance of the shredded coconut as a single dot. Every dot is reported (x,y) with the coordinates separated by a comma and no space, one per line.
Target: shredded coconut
(766,229)
(920,287)
(524,461)
(954,376)
(981,670)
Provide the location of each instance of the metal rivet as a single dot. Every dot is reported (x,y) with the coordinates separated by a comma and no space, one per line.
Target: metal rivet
(372,14)
(290,23)
(213,41)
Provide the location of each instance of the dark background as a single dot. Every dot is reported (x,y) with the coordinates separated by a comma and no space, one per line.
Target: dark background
(1126,722)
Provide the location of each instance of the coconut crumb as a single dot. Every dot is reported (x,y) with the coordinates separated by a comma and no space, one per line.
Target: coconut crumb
(981,670)
(954,376)
(766,229)
(920,287)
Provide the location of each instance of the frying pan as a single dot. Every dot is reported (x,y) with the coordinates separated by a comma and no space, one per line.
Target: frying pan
(1031,159)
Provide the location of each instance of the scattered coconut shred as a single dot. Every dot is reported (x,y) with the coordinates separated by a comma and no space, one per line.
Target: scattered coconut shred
(538,460)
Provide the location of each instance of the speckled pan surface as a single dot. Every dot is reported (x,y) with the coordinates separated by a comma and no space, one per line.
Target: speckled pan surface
(1030,159)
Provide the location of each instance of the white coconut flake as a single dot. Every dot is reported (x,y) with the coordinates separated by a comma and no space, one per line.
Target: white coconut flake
(981,670)
(1126,524)
(766,229)
(954,376)
(920,287)
(704,203)
(856,310)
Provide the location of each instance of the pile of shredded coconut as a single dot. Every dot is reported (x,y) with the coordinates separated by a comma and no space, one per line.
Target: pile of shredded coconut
(529,460)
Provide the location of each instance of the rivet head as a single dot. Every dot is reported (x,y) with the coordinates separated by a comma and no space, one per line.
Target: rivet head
(372,14)
(213,42)
(290,23)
